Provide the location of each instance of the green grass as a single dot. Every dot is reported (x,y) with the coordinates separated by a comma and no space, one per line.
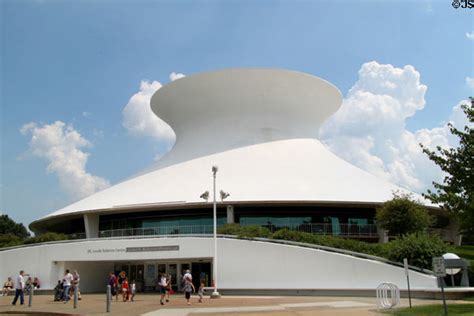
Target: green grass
(466,252)
(434,310)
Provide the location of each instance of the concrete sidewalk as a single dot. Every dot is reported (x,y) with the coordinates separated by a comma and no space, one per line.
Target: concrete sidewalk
(149,305)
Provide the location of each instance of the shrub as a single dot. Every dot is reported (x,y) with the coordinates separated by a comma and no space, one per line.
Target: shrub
(45,237)
(419,249)
(229,229)
(329,241)
(250,231)
(253,231)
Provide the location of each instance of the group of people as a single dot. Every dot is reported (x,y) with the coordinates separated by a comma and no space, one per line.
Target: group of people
(30,283)
(120,285)
(66,287)
(188,287)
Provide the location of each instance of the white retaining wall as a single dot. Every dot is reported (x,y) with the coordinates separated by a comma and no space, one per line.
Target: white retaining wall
(242,264)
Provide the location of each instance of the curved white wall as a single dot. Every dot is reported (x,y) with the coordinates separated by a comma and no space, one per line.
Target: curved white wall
(243,264)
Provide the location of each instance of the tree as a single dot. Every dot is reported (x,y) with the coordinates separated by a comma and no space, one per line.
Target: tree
(50,236)
(402,215)
(455,194)
(9,226)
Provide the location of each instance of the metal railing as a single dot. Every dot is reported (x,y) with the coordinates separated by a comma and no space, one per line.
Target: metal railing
(76,236)
(156,231)
(352,230)
(349,230)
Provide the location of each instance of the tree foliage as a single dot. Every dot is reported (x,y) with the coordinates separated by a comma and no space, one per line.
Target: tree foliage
(419,249)
(9,240)
(456,193)
(9,226)
(50,236)
(402,215)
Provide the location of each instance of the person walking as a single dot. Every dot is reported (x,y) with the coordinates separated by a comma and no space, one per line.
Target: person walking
(75,284)
(201,291)
(19,287)
(68,278)
(113,284)
(188,288)
(168,288)
(133,290)
(125,289)
(162,285)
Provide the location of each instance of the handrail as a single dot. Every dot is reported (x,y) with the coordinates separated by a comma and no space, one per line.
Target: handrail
(349,230)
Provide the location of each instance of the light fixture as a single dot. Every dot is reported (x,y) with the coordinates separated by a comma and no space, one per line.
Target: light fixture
(224,195)
(205,196)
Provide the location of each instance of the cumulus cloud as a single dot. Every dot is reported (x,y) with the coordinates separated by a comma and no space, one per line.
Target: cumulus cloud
(139,119)
(470,82)
(175,76)
(61,145)
(470,35)
(370,131)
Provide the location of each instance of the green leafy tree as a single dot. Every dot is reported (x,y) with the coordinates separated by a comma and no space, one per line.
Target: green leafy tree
(402,215)
(9,226)
(456,193)
(50,236)
(9,240)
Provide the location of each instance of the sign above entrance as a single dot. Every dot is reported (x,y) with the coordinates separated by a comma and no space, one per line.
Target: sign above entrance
(154,248)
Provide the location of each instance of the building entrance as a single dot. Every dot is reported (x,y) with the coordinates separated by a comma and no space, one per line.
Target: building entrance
(147,274)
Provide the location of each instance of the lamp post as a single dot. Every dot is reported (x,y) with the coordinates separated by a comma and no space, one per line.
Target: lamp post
(215,294)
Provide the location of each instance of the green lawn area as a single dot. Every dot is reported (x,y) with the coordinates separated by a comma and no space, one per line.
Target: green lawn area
(434,310)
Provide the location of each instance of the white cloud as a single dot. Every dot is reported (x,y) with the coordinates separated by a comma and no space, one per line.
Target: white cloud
(470,82)
(139,119)
(175,76)
(370,128)
(60,145)
(470,35)
(86,114)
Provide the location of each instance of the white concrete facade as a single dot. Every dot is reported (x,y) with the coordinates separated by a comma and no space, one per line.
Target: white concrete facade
(243,264)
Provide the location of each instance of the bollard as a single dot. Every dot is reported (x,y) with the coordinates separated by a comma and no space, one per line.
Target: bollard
(75,297)
(108,296)
(30,298)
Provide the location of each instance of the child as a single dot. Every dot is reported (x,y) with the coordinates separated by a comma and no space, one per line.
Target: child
(162,285)
(201,291)
(125,289)
(188,288)
(133,290)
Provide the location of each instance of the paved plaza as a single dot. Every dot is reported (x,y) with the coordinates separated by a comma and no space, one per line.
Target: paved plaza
(148,305)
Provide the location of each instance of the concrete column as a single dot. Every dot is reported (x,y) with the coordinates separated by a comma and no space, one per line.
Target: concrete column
(230,214)
(91,223)
(179,276)
(383,235)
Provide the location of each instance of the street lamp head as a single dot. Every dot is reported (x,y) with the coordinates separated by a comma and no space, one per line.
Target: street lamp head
(214,169)
(205,195)
(224,195)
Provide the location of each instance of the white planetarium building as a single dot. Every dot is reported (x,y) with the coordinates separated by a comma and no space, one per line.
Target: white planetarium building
(260,127)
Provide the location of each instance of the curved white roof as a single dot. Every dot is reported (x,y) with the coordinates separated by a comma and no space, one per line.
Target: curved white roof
(260,127)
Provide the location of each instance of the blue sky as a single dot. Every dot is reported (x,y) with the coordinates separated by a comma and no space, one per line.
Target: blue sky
(80,62)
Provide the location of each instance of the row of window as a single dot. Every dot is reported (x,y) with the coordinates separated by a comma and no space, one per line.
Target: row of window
(333,221)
